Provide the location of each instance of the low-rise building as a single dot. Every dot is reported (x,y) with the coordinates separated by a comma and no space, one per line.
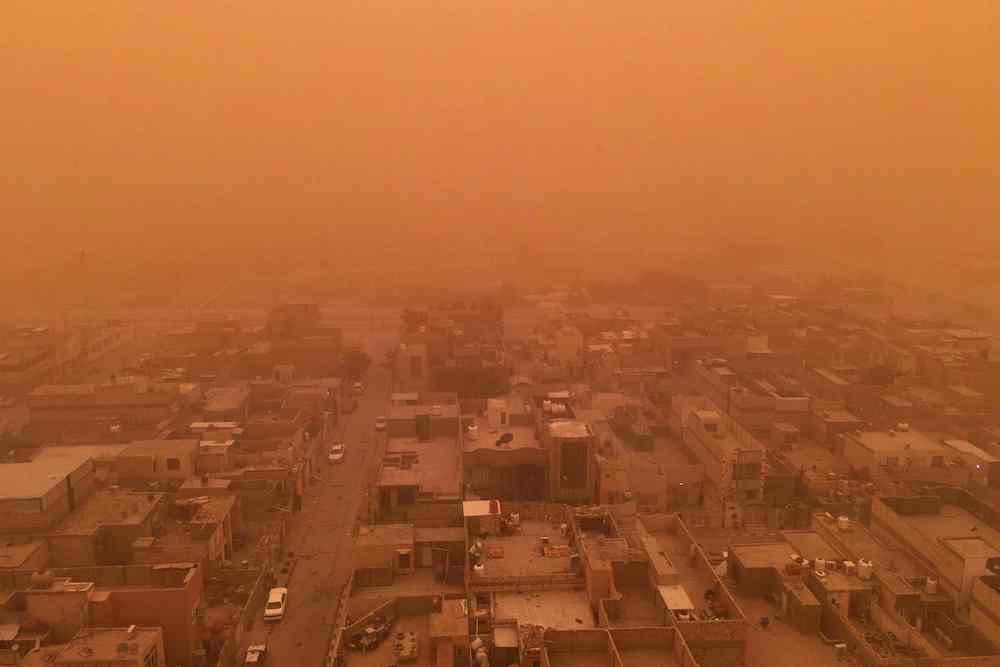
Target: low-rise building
(92,413)
(36,496)
(733,459)
(101,530)
(420,476)
(162,461)
(896,449)
(122,647)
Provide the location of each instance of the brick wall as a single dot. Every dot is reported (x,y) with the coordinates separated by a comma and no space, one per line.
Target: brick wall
(173,609)
(64,611)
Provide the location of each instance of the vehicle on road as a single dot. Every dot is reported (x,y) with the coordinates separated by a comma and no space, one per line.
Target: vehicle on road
(381,422)
(337,453)
(277,600)
(256,655)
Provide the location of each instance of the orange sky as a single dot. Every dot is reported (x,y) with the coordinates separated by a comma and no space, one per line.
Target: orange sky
(128,122)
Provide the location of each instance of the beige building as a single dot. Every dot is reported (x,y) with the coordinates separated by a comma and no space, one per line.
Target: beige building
(121,647)
(36,496)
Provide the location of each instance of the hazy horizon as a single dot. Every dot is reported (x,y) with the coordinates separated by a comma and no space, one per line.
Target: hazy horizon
(132,129)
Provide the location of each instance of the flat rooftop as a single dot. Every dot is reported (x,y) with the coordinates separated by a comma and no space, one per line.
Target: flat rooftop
(838,416)
(761,556)
(23,481)
(951,523)
(436,411)
(391,534)
(521,555)
(636,657)
(694,580)
(568,429)
(815,459)
(433,465)
(160,446)
(966,447)
(14,551)
(558,610)
(106,508)
(579,658)
(80,452)
(782,643)
(486,438)
(422,582)
(882,442)
(102,644)
(811,545)
(383,655)
(858,543)
(208,509)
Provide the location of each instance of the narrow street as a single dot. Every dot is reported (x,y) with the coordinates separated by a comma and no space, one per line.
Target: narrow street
(320,542)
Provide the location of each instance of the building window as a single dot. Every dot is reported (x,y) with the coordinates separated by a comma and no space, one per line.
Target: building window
(152,658)
(173,464)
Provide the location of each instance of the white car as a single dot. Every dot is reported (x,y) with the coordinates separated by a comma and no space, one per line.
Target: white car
(337,454)
(381,423)
(277,600)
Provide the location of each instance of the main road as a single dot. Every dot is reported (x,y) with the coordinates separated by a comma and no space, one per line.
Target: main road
(321,537)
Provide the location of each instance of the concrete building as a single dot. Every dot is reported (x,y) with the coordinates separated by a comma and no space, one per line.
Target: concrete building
(957,538)
(197,529)
(412,367)
(24,553)
(502,456)
(101,530)
(122,647)
(896,449)
(382,552)
(229,403)
(162,461)
(756,401)
(94,414)
(36,496)
(826,425)
(572,447)
(732,457)
(420,475)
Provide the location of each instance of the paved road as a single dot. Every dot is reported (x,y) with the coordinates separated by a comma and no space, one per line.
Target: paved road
(321,539)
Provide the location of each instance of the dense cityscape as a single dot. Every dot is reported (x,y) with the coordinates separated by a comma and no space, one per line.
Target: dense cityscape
(532,476)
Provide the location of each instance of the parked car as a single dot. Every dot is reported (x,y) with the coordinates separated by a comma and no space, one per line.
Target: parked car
(256,655)
(358,388)
(381,422)
(277,600)
(337,453)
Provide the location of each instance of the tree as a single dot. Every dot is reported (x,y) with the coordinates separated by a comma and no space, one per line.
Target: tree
(355,363)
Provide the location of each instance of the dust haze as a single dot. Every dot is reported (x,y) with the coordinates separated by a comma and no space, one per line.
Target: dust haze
(376,135)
